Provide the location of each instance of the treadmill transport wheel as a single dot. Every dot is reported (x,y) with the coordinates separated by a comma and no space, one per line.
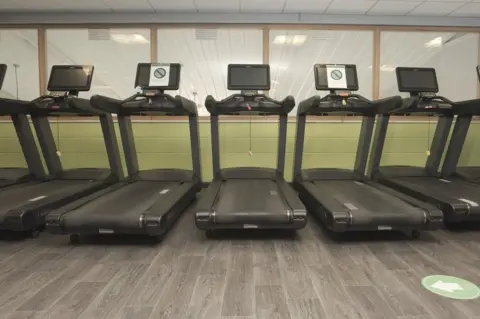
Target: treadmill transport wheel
(35,233)
(415,233)
(74,239)
(210,234)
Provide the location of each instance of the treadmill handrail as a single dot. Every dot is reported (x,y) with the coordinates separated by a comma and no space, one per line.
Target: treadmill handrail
(14,107)
(433,105)
(467,107)
(351,104)
(258,103)
(63,105)
(142,103)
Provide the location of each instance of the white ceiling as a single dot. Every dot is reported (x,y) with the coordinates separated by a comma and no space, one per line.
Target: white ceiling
(452,8)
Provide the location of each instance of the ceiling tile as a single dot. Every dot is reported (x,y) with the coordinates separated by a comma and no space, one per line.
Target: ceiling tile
(310,6)
(10,5)
(350,6)
(129,5)
(468,10)
(218,5)
(463,1)
(176,5)
(435,8)
(81,5)
(270,6)
(393,7)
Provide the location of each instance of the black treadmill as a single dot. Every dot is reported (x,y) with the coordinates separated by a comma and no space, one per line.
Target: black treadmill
(346,200)
(464,111)
(149,201)
(18,110)
(23,207)
(249,197)
(458,199)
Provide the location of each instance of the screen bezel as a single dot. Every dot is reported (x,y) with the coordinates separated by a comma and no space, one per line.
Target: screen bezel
(403,88)
(478,72)
(173,87)
(319,87)
(65,88)
(3,72)
(249,87)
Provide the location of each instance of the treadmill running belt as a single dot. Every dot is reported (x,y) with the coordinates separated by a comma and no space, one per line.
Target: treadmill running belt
(251,201)
(369,205)
(444,189)
(16,197)
(123,207)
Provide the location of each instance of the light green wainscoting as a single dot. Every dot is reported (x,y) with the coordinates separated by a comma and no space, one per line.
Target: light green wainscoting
(167,144)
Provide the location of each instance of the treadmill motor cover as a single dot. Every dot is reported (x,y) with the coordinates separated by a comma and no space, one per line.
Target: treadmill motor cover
(336,77)
(70,78)
(158,76)
(417,80)
(249,77)
(3,71)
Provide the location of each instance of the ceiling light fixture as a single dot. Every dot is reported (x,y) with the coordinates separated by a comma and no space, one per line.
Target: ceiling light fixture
(435,43)
(129,38)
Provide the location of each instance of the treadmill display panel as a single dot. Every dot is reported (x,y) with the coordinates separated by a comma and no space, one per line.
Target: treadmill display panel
(158,76)
(70,78)
(336,77)
(249,77)
(417,80)
(3,71)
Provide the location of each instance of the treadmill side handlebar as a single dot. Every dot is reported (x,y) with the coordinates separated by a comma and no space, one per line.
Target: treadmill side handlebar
(256,102)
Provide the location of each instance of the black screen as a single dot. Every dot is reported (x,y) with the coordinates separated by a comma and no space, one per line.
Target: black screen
(70,78)
(143,76)
(417,80)
(3,71)
(478,72)
(249,77)
(321,77)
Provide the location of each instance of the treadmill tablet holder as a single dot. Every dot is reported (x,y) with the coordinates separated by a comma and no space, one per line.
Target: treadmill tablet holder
(249,77)
(158,76)
(70,78)
(417,80)
(336,77)
(3,71)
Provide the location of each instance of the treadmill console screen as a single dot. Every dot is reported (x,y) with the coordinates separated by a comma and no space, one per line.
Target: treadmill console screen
(246,77)
(158,76)
(417,80)
(3,71)
(70,78)
(336,77)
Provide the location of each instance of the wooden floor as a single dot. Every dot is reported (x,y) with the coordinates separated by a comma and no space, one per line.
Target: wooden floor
(189,276)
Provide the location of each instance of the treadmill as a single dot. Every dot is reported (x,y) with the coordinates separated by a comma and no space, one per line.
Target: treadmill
(24,207)
(149,201)
(347,200)
(464,111)
(458,199)
(18,110)
(249,197)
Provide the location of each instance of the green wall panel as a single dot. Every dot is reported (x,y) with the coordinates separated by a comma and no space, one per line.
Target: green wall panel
(162,145)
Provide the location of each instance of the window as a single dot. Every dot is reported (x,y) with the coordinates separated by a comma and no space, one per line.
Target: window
(115,54)
(293,54)
(19,50)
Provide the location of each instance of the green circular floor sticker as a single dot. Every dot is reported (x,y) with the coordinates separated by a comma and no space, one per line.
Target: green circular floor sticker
(451,287)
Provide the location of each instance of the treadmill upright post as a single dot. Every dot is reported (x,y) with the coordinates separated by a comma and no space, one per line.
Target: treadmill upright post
(299,145)
(111,145)
(194,145)
(363,146)
(457,140)
(128,142)
(282,143)
(378,144)
(28,145)
(437,147)
(215,144)
(47,144)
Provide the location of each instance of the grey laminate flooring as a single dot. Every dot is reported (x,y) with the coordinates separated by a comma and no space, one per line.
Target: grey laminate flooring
(189,276)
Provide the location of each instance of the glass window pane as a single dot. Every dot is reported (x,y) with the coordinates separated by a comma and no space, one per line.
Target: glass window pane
(115,54)
(205,55)
(19,50)
(294,52)
(453,55)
